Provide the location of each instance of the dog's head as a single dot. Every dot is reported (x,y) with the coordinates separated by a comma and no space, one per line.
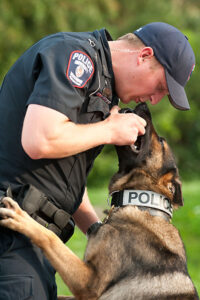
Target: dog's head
(149,164)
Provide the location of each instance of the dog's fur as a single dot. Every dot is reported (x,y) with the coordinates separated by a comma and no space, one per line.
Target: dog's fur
(133,255)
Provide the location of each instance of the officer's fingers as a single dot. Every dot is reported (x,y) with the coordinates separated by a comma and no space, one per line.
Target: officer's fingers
(141,130)
(140,120)
(143,122)
(139,123)
(134,135)
(114,110)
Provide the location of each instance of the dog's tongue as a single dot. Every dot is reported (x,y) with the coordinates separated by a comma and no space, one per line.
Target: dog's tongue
(136,147)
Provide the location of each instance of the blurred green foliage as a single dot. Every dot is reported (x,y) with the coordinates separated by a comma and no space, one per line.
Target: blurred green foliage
(22,23)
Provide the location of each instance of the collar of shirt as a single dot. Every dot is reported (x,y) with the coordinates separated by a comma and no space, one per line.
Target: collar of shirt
(105,37)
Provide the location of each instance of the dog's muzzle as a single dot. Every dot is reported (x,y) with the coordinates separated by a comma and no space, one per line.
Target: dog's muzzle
(138,143)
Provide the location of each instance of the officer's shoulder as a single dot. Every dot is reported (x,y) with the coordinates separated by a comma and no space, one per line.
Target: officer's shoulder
(82,40)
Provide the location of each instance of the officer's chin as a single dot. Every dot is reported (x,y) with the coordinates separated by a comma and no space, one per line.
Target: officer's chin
(126,99)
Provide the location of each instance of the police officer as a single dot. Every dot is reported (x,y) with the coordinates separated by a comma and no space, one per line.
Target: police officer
(58,106)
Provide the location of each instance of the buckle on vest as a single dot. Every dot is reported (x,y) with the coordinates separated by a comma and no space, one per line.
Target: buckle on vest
(42,210)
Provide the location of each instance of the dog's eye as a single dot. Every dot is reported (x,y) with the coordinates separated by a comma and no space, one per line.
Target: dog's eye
(171,187)
(161,140)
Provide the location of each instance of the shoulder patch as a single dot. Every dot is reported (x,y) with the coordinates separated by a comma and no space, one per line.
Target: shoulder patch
(80,68)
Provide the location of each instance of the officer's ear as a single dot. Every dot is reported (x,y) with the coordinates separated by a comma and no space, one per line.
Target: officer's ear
(145,54)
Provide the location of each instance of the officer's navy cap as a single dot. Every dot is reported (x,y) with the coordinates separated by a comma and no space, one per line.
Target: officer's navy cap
(173,51)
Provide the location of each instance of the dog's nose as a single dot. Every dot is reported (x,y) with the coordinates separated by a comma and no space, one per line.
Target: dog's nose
(125,110)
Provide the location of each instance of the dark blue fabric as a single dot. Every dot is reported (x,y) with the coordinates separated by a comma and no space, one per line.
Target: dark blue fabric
(39,77)
(24,271)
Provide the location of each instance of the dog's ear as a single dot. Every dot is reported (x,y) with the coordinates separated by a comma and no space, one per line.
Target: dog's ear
(177,196)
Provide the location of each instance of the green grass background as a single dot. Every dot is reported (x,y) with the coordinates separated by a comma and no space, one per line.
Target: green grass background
(186,219)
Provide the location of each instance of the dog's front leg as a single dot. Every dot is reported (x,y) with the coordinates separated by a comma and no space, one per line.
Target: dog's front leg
(74,272)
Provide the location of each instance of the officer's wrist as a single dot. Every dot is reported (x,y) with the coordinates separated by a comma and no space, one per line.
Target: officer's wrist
(93,228)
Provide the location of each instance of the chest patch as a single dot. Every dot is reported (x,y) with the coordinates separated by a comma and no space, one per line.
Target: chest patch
(80,68)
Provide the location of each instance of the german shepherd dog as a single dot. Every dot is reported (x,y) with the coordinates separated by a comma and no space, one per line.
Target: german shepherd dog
(136,253)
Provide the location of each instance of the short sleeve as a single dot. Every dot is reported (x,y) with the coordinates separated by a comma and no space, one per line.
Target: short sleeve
(63,78)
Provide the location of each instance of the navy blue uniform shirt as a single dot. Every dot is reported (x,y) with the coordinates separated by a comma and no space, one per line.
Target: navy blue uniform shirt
(68,72)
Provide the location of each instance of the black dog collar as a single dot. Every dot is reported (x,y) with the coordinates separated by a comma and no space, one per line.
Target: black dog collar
(155,203)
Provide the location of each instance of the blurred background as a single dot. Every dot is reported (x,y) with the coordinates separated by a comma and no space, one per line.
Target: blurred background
(22,23)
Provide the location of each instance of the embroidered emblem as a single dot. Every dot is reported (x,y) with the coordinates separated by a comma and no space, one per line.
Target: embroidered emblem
(80,68)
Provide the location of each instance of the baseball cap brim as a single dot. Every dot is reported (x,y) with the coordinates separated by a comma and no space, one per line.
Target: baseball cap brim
(177,95)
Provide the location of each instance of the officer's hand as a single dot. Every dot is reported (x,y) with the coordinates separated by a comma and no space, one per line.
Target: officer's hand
(124,128)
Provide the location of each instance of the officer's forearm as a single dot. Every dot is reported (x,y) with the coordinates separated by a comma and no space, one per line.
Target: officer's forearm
(68,140)
(85,216)
(49,134)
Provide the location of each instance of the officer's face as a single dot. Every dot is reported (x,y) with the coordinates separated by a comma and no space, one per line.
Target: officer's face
(146,81)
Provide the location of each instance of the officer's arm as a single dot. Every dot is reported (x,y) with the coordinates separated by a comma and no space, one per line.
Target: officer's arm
(48,133)
(85,216)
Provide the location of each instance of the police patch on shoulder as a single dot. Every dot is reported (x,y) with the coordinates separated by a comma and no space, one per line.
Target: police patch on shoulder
(80,68)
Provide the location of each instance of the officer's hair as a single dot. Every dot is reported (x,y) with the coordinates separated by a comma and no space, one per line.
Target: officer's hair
(132,39)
